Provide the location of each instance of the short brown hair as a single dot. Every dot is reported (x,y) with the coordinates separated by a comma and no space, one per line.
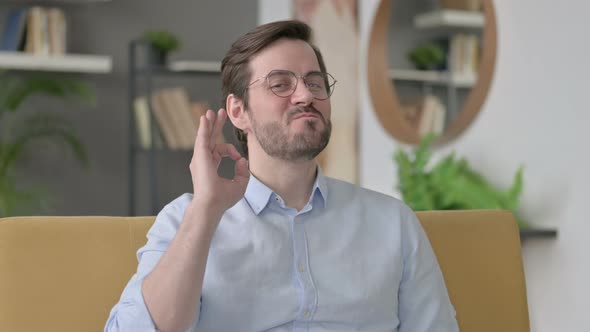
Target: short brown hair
(235,72)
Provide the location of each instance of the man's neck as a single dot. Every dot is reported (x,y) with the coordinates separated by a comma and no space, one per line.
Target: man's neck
(293,181)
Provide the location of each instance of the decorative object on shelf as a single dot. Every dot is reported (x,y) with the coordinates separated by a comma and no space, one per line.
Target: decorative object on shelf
(384,94)
(428,56)
(162,43)
(451,184)
(20,132)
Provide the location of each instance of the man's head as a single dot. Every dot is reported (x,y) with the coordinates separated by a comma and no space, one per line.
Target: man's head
(277,90)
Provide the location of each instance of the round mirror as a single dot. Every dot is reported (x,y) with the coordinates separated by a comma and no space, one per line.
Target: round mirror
(430,65)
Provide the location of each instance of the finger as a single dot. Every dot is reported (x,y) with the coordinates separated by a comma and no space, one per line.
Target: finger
(202,140)
(218,127)
(241,170)
(211,117)
(201,148)
(227,150)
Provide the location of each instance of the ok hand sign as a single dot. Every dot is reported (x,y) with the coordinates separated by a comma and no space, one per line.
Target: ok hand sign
(209,188)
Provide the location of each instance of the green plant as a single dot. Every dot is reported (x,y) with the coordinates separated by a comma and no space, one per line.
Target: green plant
(20,132)
(450,184)
(161,40)
(427,56)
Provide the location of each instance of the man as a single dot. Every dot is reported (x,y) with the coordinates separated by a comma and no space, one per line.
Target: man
(281,247)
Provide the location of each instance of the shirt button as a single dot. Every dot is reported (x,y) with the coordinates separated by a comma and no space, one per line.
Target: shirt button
(306,314)
(301,268)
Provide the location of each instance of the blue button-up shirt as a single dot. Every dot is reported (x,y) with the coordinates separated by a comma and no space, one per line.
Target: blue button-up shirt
(350,260)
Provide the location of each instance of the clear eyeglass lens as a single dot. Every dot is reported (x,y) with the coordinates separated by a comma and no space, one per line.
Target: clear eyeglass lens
(283,84)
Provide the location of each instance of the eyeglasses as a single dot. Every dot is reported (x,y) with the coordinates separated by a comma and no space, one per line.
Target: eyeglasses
(284,82)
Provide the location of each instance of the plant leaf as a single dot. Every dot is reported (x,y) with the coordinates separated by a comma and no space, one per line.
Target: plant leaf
(42,126)
(17,90)
(15,201)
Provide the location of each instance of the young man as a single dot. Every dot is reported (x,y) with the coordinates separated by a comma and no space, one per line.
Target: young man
(281,247)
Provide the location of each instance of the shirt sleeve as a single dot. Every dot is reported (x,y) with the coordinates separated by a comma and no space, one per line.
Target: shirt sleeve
(424,303)
(131,312)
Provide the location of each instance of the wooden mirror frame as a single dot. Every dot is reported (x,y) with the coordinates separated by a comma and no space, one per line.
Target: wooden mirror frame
(382,90)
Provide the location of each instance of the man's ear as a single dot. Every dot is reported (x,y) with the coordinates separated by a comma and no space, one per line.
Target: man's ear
(237,112)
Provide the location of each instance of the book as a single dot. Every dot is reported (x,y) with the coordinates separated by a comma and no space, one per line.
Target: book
(57,31)
(14,30)
(143,123)
(463,56)
(164,121)
(37,38)
(177,110)
(181,110)
(432,118)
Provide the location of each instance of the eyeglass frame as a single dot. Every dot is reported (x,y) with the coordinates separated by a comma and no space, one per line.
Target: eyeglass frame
(329,86)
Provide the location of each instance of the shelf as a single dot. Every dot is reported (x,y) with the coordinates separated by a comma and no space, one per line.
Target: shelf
(189,68)
(57,63)
(433,77)
(56,2)
(449,18)
(195,66)
(537,233)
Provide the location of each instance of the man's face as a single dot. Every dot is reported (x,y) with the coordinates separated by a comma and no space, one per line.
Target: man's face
(293,128)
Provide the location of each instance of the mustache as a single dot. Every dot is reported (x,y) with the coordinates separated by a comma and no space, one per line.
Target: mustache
(302,110)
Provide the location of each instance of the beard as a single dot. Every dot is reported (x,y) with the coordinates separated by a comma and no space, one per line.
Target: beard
(274,140)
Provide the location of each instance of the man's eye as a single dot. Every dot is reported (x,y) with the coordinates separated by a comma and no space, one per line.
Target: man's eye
(280,85)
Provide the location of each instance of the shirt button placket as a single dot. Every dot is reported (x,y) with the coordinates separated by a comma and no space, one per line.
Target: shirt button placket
(302,261)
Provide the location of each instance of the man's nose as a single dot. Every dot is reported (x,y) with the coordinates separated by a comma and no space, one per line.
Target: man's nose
(301,95)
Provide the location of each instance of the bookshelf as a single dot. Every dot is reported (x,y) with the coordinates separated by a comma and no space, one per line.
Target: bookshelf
(385,81)
(455,91)
(35,39)
(74,63)
(143,71)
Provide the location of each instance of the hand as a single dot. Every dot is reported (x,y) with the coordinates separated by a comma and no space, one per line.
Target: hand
(211,190)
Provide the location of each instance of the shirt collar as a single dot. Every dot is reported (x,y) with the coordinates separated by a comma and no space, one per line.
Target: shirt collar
(258,194)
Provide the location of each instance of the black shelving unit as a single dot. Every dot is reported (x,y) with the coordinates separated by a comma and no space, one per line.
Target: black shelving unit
(142,68)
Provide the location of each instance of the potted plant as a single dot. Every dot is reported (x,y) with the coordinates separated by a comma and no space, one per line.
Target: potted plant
(162,43)
(20,132)
(428,56)
(451,184)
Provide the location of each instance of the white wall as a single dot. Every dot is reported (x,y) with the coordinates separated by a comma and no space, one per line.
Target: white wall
(536,114)
(274,10)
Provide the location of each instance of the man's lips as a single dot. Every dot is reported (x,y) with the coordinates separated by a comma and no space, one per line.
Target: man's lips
(305,115)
